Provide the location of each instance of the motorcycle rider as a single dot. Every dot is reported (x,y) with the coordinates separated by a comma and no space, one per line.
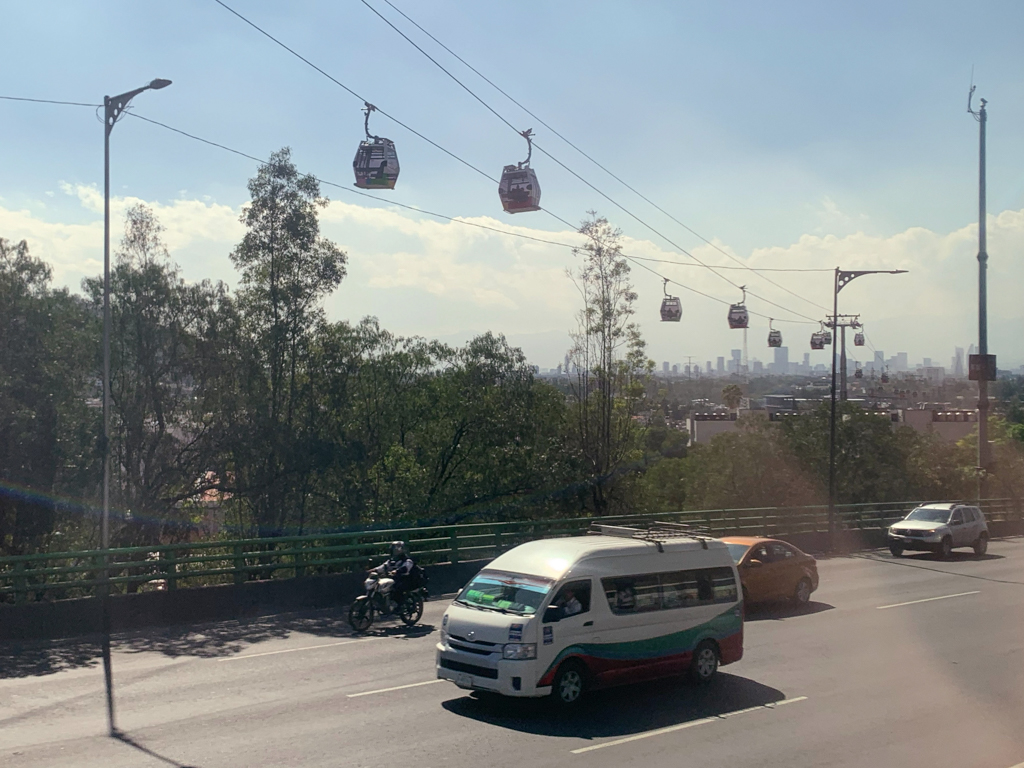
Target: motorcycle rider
(398,567)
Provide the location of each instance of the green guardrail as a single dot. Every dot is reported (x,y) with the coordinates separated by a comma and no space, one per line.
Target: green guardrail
(63,575)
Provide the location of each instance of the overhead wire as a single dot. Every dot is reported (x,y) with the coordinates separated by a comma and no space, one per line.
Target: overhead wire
(50,101)
(574,146)
(478,170)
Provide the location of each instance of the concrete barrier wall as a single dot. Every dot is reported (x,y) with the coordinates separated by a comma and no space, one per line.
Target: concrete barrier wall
(73,618)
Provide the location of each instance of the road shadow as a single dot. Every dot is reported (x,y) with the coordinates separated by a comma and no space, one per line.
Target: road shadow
(619,711)
(784,610)
(206,641)
(124,738)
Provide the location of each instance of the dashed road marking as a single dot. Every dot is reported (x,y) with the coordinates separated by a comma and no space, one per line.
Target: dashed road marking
(293,650)
(928,600)
(683,726)
(394,688)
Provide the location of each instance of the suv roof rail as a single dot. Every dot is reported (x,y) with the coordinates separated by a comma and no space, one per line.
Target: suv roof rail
(656,532)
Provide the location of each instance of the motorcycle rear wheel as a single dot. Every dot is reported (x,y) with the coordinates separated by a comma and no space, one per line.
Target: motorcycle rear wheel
(411,609)
(360,615)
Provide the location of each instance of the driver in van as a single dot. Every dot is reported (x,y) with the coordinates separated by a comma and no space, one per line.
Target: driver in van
(570,604)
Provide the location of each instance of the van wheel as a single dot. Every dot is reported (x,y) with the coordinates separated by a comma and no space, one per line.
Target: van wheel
(981,545)
(704,664)
(569,684)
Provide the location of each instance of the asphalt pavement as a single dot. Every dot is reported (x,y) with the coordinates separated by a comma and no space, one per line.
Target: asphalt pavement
(896,662)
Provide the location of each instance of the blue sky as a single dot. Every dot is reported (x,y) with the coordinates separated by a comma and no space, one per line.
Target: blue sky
(792,134)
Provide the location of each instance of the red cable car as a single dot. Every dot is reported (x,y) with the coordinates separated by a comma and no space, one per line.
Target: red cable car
(817,340)
(738,315)
(671,306)
(519,189)
(774,337)
(376,162)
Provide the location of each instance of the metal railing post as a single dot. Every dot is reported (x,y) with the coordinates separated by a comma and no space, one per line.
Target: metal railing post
(239,572)
(20,584)
(170,569)
(453,546)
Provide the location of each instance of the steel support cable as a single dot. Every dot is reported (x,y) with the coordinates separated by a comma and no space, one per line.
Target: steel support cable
(574,173)
(50,101)
(262,162)
(567,141)
(349,90)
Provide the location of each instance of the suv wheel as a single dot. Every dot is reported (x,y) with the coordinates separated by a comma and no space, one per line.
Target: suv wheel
(981,545)
(945,548)
(897,549)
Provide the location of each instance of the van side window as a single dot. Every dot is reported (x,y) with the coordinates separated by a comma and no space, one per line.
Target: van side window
(671,589)
(572,599)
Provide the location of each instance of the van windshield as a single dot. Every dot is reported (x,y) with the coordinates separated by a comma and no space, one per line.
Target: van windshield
(505,592)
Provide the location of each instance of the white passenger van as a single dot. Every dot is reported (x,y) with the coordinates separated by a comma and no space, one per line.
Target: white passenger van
(559,616)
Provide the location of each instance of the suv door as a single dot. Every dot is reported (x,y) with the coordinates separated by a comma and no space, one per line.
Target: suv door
(960,529)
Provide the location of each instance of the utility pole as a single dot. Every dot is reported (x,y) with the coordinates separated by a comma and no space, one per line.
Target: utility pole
(842,277)
(982,365)
(113,108)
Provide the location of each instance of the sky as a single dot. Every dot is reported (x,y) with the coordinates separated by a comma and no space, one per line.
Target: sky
(790,135)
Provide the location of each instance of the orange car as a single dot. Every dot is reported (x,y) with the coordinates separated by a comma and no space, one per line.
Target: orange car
(773,570)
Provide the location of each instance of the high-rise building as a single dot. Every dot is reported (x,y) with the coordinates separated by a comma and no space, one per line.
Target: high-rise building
(781,361)
(665,367)
(721,366)
(708,368)
(675,368)
(958,363)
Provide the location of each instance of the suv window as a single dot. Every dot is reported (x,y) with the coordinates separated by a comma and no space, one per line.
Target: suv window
(958,518)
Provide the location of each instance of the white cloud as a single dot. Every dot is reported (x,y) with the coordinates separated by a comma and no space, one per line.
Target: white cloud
(443,278)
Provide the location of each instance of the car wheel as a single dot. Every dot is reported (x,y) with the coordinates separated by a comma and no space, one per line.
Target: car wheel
(981,545)
(802,593)
(896,549)
(704,664)
(945,548)
(569,684)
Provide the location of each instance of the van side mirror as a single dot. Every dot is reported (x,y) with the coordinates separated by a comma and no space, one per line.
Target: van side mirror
(552,614)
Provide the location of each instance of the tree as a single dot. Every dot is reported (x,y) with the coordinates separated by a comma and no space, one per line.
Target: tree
(732,394)
(48,446)
(161,444)
(610,366)
(287,268)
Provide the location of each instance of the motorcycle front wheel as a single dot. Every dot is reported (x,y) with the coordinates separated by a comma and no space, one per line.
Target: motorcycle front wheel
(360,615)
(411,609)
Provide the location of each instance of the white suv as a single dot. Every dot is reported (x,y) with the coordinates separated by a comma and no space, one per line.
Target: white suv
(939,528)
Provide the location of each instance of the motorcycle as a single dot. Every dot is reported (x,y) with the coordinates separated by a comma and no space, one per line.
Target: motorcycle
(378,602)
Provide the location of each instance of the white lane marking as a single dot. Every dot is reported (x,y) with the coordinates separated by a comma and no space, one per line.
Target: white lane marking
(683,726)
(928,600)
(293,650)
(394,688)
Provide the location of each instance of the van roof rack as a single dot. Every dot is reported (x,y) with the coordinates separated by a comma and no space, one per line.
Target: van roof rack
(656,532)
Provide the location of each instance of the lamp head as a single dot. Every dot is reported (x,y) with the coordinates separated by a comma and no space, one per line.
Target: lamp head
(159,83)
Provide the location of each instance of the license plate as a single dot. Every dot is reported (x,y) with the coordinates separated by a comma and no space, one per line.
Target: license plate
(464,681)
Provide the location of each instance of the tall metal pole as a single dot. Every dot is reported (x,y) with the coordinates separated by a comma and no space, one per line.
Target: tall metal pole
(108,124)
(832,429)
(983,447)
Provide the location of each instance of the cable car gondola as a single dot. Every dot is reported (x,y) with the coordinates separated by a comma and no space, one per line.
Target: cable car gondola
(885,377)
(774,337)
(671,306)
(519,189)
(376,162)
(859,373)
(858,339)
(826,334)
(817,340)
(738,316)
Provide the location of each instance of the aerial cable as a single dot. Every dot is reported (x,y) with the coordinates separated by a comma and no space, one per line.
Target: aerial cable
(438,215)
(345,87)
(563,138)
(572,172)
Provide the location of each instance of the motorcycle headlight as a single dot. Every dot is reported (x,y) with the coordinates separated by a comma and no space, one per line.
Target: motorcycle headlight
(519,651)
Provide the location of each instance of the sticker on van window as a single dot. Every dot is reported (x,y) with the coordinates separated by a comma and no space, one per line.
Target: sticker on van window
(549,635)
(515,633)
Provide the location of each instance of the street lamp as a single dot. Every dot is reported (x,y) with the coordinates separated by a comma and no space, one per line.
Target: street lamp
(113,107)
(842,278)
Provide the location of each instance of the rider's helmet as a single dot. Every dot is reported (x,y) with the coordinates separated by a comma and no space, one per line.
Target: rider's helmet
(398,550)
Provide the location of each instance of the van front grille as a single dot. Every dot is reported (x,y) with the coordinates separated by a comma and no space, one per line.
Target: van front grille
(470,669)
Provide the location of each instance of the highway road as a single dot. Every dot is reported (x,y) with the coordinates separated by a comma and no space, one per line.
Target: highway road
(910,662)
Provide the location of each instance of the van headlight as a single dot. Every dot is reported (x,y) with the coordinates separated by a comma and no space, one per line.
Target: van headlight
(519,651)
